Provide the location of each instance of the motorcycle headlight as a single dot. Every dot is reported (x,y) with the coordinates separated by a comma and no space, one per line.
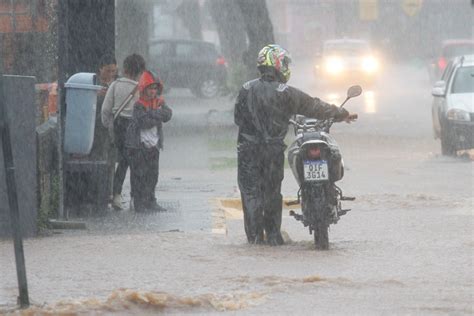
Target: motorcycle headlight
(370,64)
(458,115)
(334,65)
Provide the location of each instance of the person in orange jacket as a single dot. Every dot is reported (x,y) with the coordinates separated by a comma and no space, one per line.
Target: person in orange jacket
(144,140)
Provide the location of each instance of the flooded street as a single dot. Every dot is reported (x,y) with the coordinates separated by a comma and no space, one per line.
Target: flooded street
(405,248)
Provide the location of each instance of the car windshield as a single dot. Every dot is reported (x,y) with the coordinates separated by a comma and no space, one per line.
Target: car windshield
(463,80)
(458,50)
(346,48)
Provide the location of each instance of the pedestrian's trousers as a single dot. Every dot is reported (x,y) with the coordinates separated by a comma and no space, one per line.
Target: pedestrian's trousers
(144,169)
(120,130)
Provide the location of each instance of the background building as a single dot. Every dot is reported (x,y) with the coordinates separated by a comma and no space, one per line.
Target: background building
(401,28)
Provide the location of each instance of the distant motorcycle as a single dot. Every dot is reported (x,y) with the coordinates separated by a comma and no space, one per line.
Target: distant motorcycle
(316,163)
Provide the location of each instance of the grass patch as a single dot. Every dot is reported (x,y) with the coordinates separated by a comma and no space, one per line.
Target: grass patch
(223,144)
(222,163)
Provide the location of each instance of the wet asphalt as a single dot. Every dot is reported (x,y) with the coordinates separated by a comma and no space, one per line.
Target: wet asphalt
(405,248)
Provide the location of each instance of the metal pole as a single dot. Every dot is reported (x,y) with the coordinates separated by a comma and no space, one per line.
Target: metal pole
(13,202)
(63,60)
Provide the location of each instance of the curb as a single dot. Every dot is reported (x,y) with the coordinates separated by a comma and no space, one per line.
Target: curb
(231,208)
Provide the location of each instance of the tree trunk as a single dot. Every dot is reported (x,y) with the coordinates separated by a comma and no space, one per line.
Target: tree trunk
(190,13)
(259,30)
(238,21)
(132,27)
(230,27)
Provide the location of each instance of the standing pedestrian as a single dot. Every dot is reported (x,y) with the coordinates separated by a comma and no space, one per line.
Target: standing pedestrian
(145,140)
(262,112)
(117,95)
(106,74)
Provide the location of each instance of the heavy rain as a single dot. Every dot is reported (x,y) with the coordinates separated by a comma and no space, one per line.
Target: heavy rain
(73,240)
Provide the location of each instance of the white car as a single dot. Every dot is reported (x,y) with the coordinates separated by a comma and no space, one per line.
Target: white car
(453,106)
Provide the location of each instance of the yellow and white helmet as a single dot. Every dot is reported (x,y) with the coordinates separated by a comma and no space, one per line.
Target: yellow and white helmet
(277,57)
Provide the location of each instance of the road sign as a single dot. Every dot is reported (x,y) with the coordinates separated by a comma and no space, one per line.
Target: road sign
(368,10)
(412,7)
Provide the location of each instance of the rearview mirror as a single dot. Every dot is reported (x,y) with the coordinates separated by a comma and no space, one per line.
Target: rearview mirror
(439,89)
(354,91)
(438,92)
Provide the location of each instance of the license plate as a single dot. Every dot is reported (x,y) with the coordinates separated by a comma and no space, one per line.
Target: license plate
(315,170)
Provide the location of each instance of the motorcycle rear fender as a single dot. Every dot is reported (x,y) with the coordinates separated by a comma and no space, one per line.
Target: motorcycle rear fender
(314,142)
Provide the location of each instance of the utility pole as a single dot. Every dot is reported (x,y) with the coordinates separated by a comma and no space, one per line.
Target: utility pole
(13,201)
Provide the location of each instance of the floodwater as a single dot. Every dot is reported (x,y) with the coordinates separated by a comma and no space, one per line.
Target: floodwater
(405,248)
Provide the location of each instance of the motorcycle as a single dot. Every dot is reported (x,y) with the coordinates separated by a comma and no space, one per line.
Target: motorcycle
(316,163)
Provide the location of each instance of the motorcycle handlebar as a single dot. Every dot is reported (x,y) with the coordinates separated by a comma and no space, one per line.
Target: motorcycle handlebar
(323,125)
(294,123)
(319,124)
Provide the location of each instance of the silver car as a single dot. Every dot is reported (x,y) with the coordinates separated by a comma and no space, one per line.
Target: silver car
(453,106)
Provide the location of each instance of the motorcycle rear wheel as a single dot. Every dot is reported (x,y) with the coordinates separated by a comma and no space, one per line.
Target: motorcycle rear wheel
(316,211)
(321,236)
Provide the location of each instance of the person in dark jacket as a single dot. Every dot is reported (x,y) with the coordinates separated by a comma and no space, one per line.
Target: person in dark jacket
(262,112)
(144,140)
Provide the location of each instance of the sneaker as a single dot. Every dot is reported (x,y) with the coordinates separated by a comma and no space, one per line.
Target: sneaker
(117,202)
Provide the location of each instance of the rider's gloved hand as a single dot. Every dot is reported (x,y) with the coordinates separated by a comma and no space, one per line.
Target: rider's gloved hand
(351,117)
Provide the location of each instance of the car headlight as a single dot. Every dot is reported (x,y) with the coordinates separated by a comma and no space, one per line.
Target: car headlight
(458,115)
(370,64)
(334,65)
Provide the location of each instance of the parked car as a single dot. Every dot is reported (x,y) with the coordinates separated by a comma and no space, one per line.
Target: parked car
(448,50)
(189,64)
(343,60)
(453,106)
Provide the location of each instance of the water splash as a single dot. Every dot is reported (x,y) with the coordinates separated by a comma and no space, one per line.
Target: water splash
(128,301)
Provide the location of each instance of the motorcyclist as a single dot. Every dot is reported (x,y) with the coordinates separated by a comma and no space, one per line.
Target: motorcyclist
(262,112)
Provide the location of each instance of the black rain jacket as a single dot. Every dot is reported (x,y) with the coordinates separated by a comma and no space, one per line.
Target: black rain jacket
(265,105)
